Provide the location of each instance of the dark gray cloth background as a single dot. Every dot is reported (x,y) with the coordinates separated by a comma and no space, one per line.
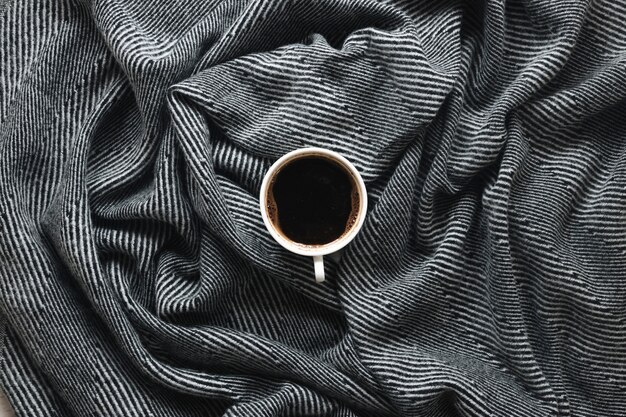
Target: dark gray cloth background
(137,278)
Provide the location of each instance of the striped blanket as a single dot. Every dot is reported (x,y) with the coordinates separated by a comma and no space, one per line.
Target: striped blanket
(137,278)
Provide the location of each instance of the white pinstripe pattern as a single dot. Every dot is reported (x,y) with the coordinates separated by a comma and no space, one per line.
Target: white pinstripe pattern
(137,278)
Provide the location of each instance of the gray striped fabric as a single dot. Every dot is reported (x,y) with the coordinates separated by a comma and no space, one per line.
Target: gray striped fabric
(137,278)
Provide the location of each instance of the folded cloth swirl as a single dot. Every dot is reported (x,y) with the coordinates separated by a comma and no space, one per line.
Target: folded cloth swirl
(137,278)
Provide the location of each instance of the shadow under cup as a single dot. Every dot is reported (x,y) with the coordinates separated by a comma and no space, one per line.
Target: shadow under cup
(313,200)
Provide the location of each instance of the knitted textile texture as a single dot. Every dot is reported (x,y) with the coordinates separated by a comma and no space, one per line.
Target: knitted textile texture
(137,278)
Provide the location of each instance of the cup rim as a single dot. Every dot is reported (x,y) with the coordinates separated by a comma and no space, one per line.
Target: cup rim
(317,250)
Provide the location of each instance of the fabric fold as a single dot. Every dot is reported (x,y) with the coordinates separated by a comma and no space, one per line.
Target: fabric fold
(137,277)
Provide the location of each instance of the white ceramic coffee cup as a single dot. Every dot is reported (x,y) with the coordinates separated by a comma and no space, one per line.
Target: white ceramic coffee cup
(317,252)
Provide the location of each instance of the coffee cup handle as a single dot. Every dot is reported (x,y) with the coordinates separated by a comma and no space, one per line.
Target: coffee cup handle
(318,263)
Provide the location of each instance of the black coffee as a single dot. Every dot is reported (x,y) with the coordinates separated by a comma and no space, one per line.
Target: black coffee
(314,200)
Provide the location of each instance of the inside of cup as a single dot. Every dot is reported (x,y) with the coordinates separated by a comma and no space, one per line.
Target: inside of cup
(356,201)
